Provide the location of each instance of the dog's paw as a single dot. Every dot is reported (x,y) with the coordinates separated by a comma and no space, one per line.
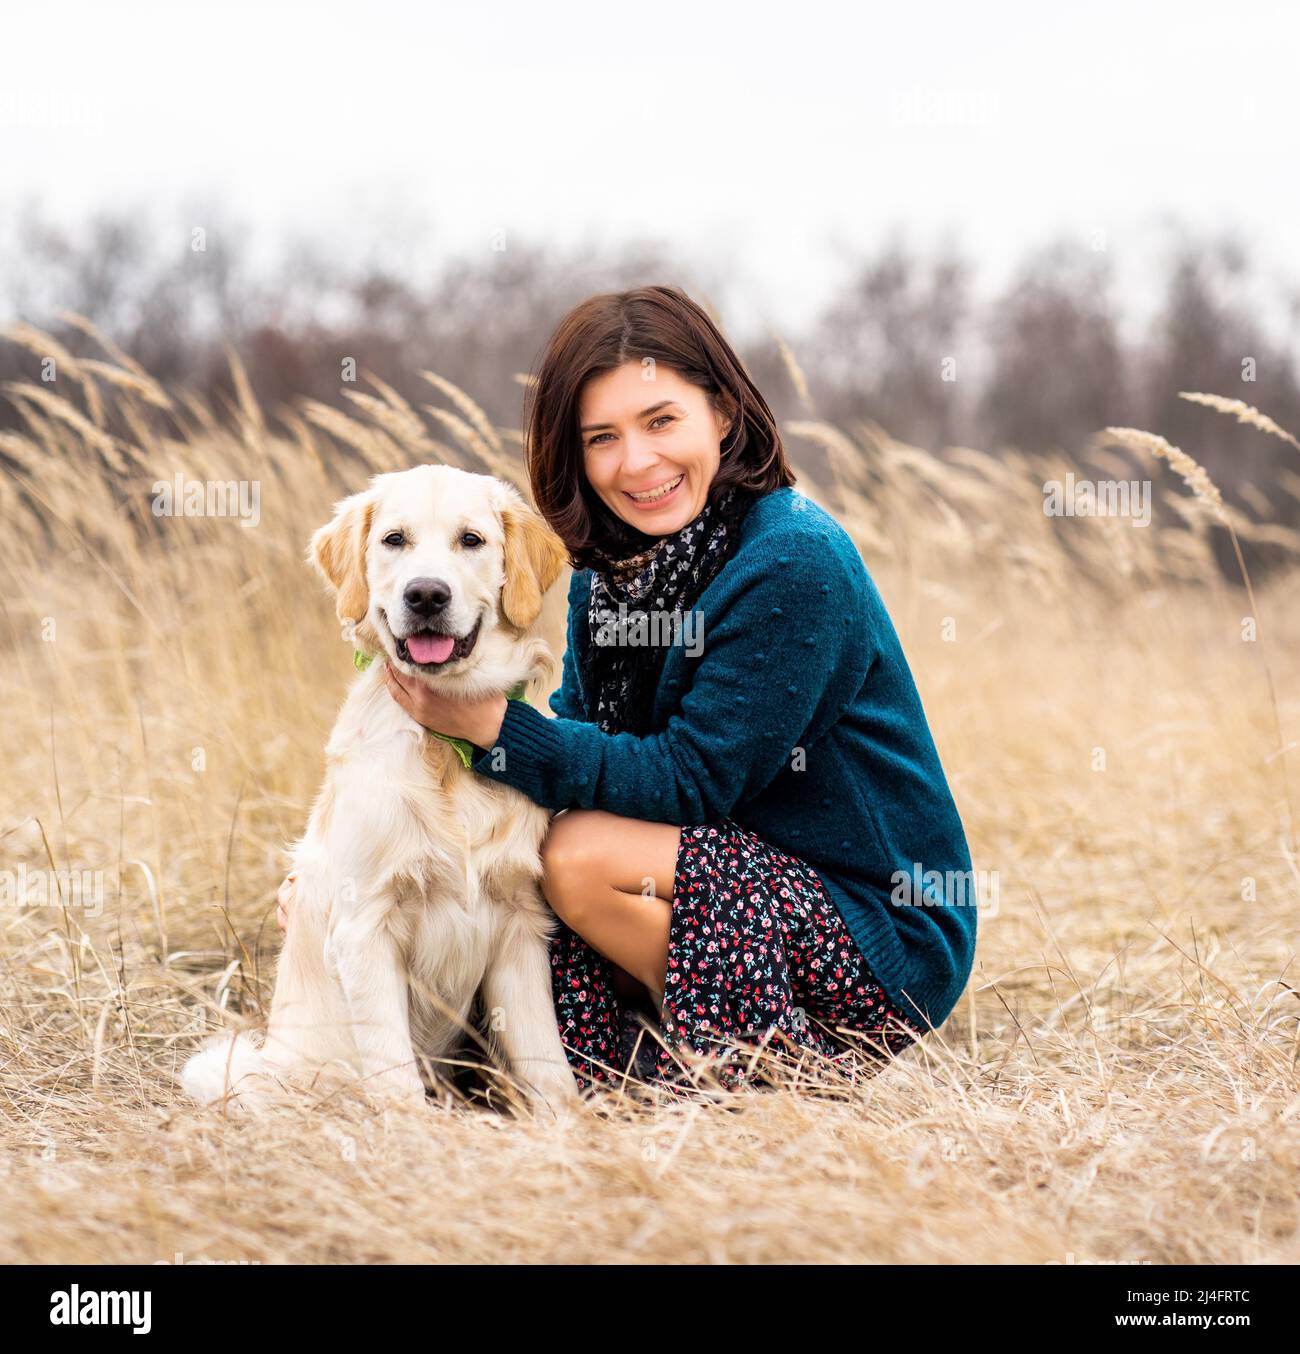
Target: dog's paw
(397,1088)
(553,1095)
(228,1068)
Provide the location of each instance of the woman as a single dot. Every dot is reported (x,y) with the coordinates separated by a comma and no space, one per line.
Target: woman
(745,783)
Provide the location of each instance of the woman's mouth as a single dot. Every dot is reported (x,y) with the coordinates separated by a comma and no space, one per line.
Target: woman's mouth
(652,498)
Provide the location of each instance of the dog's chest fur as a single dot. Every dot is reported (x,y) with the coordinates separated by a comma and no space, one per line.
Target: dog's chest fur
(462,854)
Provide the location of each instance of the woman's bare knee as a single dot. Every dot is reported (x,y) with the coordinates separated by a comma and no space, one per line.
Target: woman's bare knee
(589,855)
(570,866)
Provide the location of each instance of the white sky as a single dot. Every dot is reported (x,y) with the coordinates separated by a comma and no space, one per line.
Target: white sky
(757,137)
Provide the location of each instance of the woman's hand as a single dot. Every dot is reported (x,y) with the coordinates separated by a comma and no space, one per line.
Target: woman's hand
(478,721)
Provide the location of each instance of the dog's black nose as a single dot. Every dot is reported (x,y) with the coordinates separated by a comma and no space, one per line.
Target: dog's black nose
(424,596)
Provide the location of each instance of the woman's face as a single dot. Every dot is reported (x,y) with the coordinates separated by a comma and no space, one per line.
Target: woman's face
(650,447)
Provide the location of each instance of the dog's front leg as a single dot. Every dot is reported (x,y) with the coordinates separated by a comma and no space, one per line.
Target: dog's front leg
(363,953)
(521,1015)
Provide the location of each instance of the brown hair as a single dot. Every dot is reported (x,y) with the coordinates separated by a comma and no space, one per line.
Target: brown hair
(600,334)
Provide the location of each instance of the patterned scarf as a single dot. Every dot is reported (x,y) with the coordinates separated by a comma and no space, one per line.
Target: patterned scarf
(659,583)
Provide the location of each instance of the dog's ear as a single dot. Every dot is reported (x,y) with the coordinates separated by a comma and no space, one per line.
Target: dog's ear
(534,557)
(338,550)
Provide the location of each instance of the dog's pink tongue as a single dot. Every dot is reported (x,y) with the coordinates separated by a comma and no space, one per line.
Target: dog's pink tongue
(430,648)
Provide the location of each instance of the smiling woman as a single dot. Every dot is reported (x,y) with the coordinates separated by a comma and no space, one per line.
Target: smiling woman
(675,461)
(731,822)
(737,826)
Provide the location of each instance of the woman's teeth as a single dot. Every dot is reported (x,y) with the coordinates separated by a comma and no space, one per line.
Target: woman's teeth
(650,495)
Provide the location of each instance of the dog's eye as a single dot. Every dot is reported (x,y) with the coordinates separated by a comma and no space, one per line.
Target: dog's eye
(471,539)
(395,539)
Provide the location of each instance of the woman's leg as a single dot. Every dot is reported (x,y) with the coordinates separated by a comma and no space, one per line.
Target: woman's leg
(729,987)
(758,953)
(610,879)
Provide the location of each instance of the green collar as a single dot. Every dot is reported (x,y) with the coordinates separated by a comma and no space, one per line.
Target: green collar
(361,661)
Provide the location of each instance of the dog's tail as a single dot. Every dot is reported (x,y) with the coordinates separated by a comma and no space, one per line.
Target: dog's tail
(228,1065)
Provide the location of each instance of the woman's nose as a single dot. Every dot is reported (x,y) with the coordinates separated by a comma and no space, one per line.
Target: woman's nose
(638,456)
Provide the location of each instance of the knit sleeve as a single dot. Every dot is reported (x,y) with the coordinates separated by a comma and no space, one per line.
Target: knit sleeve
(789,650)
(566,700)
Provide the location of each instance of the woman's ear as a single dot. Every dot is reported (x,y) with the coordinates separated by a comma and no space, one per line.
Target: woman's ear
(534,557)
(338,550)
(726,413)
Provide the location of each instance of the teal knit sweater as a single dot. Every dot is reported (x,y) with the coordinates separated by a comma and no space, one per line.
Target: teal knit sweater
(798,718)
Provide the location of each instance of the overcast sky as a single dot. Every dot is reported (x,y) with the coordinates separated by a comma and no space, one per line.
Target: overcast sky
(768,138)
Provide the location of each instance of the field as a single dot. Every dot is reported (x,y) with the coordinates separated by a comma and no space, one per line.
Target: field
(1118,1085)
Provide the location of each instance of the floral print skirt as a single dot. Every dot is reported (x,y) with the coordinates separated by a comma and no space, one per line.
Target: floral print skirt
(758,955)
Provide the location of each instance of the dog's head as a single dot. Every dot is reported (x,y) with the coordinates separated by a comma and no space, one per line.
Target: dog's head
(427,562)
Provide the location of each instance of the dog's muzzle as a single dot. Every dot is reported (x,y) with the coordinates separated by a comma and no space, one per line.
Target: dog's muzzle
(427,642)
(428,647)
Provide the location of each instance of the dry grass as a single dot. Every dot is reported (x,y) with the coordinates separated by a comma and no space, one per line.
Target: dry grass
(1119,1084)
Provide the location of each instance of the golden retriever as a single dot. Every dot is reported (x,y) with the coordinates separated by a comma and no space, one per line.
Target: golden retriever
(417,879)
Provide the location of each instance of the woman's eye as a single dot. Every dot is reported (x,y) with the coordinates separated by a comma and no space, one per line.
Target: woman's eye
(471,539)
(667,418)
(395,539)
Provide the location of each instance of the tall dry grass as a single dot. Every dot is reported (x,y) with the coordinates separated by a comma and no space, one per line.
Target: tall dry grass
(1118,1085)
